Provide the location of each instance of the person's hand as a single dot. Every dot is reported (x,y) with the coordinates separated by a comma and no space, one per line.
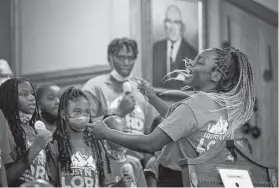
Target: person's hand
(146,89)
(41,141)
(126,181)
(98,129)
(126,105)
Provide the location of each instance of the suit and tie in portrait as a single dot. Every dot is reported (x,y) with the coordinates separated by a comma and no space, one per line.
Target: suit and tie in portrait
(169,52)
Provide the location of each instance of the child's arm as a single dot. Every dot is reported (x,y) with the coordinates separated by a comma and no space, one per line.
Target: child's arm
(151,171)
(16,169)
(141,180)
(151,179)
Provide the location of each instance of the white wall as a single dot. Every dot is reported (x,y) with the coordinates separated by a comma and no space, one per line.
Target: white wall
(66,34)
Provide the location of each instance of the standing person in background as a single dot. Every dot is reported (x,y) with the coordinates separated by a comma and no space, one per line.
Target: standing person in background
(107,94)
(48,96)
(169,52)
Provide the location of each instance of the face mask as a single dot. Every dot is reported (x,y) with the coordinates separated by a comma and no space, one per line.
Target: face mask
(118,77)
(79,124)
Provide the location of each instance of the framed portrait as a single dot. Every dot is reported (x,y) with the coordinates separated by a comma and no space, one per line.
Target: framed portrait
(176,29)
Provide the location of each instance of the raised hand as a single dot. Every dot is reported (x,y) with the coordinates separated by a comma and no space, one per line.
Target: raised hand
(98,129)
(145,88)
(126,105)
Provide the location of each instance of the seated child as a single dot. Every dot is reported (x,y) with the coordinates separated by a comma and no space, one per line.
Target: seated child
(48,96)
(120,161)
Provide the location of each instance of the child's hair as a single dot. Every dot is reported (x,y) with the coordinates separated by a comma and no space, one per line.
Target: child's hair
(9,105)
(62,136)
(41,88)
(157,120)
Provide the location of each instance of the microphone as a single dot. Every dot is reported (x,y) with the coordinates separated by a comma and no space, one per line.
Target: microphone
(39,126)
(127,87)
(127,170)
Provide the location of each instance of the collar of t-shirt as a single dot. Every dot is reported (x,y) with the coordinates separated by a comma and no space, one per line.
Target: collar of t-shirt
(175,49)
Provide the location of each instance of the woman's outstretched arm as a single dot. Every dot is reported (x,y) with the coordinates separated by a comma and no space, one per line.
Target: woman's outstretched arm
(142,143)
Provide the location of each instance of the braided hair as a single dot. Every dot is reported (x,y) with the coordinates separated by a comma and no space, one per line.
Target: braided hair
(235,89)
(63,138)
(10,107)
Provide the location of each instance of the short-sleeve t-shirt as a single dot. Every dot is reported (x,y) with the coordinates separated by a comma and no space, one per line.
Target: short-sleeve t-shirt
(116,175)
(37,168)
(84,167)
(105,93)
(195,125)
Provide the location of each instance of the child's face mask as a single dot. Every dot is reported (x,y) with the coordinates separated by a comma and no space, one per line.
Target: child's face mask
(79,123)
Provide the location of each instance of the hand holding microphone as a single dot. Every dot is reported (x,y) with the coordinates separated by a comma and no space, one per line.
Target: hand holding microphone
(43,138)
(128,175)
(127,103)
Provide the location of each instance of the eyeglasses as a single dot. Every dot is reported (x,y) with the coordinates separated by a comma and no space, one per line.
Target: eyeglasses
(123,58)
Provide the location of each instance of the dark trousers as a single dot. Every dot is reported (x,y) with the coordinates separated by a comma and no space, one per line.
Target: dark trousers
(169,177)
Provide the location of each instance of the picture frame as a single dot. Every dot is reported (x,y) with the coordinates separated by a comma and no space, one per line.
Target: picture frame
(156,14)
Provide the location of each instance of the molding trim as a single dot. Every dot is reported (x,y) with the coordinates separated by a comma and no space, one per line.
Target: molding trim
(68,77)
(257,10)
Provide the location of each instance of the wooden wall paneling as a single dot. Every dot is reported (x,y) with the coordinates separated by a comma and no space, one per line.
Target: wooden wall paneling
(252,35)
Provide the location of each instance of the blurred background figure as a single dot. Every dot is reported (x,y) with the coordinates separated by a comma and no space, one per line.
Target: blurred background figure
(5,71)
(116,92)
(48,96)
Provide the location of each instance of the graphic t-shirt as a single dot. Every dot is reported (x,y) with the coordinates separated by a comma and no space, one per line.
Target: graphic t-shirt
(84,170)
(37,168)
(105,93)
(195,125)
(116,174)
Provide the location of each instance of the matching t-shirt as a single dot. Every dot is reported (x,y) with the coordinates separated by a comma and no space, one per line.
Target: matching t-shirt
(37,168)
(105,93)
(84,167)
(195,125)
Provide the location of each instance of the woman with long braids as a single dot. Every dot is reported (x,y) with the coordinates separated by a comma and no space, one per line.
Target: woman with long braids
(223,101)
(83,161)
(26,158)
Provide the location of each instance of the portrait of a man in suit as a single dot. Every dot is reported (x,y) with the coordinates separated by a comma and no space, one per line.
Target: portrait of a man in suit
(169,52)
